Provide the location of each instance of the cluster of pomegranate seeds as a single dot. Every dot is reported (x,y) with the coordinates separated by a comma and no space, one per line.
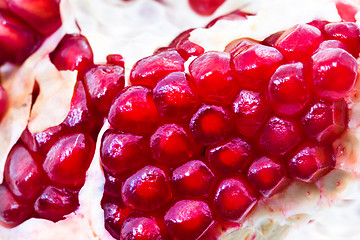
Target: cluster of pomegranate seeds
(190,148)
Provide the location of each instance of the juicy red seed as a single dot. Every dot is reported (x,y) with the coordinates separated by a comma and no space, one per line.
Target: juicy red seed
(279,136)
(234,198)
(146,190)
(69,158)
(115,215)
(288,89)
(334,73)
(17,41)
(311,161)
(319,24)
(346,32)
(134,111)
(140,228)
(254,66)
(28,139)
(211,124)
(205,7)
(240,45)
(267,176)
(185,47)
(45,140)
(184,35)
(12,211)
(171,144)
(212,78)
(22,173)
(103,83)
(54,203)
(271,40)
(307,39)
(3,101)
(81,116)
(188,219)
(112,185)
(115,59)
(148,71)
(43,16)
(347,11)
(72,53)
(251,111)
(326,121)
(173,96)
(193,178)
(233,155)
(123,152)
(235,15)
(331,44)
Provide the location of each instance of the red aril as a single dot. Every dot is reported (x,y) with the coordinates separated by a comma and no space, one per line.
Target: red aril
(3,101)
(54,203)
(45,139)
(235,15)
(184,46)
(141,228)
(205,7)
(112,185)
(331,44)
(188,219)
(115,59)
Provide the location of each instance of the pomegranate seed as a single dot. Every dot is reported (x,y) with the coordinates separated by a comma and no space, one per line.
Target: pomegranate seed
(311,161)
(72,53)
(3,101)
(188,219)
(193,178)
(185,47)
(240,45)
(146,190)
(346,32)
(211,124)
(3,4)
(17,41)
(103,83)
(235,15)
(54,203)
(331,44)
(12,211)
(326,121)
(251,112)
(280,136)
(81,116)
(123,152)
(173,96)
(69,158)
(267,176)
(334,73)
(234,198)
(115,215)
(22,173)
(205,7)
(233,155)
(307,39)
(254,66)
(148,71)
(171,144)
(271,40)
(288,90)
(141,228)
(112,185)
(115,59)
(319,24)
(43,16)
(212,78)
(134,111)
(347,11)
(28,139)
(45,140)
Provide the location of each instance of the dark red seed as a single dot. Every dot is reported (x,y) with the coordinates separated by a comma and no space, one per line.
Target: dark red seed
(115,59)
(3,101)
(231,156)
(123,152)
(147,190)
(234,198)
(148,71)
(185,47)
(171,144)
(193,178)
(251,110)
(331,44)
(271,40)
(267,175)
(12,211)
(280,136)
(240,45)
(235,15)
(134,111)
(334,73)
(326,121)
(103,83)
(205,7)
(141,228)
(23,174)
(112,186)
(54,203)
(212,77)
(211,124)
(45,139)
(69,158)
(311,161)
(188,219)
(173,96)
